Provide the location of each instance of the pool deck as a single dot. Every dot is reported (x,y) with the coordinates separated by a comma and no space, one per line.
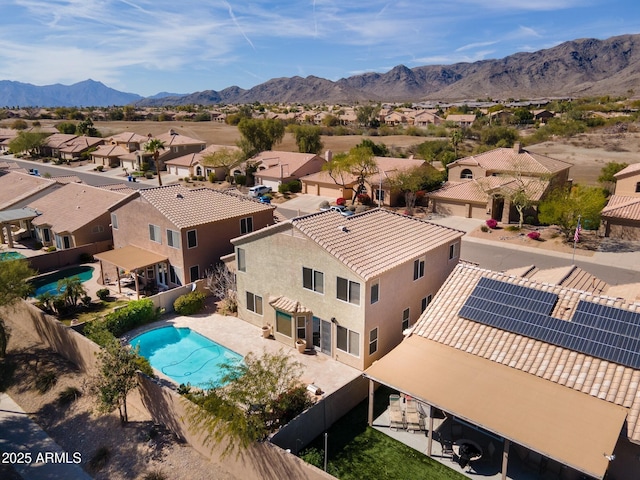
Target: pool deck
(243,338)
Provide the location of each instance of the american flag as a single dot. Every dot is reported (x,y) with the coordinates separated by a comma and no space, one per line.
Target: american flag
(576,236)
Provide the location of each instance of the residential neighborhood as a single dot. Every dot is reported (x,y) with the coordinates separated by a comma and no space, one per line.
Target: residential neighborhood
(507,372)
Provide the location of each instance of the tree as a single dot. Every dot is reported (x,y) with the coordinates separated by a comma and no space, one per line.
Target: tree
(254,397)
(117,377)
(358,163)
(221,282)
(86,128)
(226,158)
(564,205)
(66,127)
(608,174)
(413,180)
(19,124)
(456,137)
(13,286)
(259,135)
(378,149)
(367,115)
(28,142)
(71,290)
(308,138)
(498,136)
(154,146)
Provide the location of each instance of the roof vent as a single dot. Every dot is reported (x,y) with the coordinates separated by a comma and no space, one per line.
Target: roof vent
(342,228)
(179,195)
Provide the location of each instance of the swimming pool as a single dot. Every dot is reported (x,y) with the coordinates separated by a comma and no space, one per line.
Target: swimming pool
(49,282)
(11,256)
(184,355)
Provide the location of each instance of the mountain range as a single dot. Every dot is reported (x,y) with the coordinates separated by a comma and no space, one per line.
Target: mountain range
(584,67)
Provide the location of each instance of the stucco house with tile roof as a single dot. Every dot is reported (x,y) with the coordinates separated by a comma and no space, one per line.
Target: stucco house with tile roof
(176,145)
(539,369)
(348,286)
(74,215)
(478,186)
(276,167)
(621,215)
(69,147)
(178,233)
(192,163)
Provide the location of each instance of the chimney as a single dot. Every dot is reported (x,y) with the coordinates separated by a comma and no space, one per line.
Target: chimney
(328,155)
(517,147)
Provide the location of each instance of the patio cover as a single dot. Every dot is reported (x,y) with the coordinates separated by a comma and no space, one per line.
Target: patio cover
(130,258)
(566,425)
(16,214)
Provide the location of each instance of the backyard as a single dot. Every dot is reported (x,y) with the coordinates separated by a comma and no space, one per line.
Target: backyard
(357,451)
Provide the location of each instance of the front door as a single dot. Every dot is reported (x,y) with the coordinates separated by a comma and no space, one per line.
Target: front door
(321,335)
(162,274)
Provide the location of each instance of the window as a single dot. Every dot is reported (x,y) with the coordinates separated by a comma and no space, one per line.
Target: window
(425,302)
(254,303)
(348,341)
(240,260)
(154,233)
(466,173)
(46,235)
(192,238)
(373,341)
(375,291)
(283,322)
(174,275)
(638,187)
(114,221)
(301,325)
(246,225)
(453,251)
(97,229)
(380,195)
(312,280)
(418,269)
(405,319)
(348,291)
(173,238)
(194,273)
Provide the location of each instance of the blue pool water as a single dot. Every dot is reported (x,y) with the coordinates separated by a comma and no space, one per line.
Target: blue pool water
(184,355)
(49,282)
(10,256)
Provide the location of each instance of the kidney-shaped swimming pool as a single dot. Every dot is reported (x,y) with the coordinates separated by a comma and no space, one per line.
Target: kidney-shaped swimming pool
(185,356)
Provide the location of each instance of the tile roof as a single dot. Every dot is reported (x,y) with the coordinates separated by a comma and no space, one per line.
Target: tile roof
(481,189)
(629,170)
(109,151)
(623,207)
(73,206)
(287,305)
(67,179)
(195,158)
(18,186)
(283,163)
(172,139)
(375,241)
(127,137)
(186,207)
(512,159)
(387,165)
(596,377)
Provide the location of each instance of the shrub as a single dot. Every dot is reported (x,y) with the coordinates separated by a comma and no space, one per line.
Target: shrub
(340,201)
(364,199)
(85,257)
(512,228)
(187,179)
(212,177)
(38,245)
(324,204)
(241,179)
(100,458)
(103,293)
(148,175)
(45,381)
(68,395)
(135,314)
(100,168)
(200,178)
(86,300)
(484,228)
(492,223)
(534,235)
(530,220)
(290,404)
(189,303)
(51,248)
(154,475)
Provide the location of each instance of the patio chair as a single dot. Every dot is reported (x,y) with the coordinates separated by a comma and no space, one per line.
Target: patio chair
(396,414)
(415,421)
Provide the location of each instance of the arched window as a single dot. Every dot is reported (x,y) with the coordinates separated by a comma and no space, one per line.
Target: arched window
(198,171)
(466,173)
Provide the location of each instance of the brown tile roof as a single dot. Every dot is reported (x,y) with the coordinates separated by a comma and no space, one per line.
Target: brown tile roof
(73,206)
(127,137)
(375,241)
(593,376)
(67,179)
(58,139)
(17,186)
(195,158)
(479,190)
(118,187)
(186,207)
(289,162)
(387,165)
(629,170)
(571,277)
(510,160)
(109,151)
(287,305)
(623,207)
(172,138)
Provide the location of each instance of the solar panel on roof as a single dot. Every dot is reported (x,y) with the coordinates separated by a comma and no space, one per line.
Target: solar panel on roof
(601,331)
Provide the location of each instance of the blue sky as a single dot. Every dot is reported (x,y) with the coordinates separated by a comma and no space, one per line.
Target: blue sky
(184,46)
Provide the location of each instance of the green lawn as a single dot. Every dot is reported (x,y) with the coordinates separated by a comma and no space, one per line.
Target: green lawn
(97,310)
(357,451)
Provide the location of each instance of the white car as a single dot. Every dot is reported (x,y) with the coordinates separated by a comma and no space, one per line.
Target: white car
(341,209)
(259,190)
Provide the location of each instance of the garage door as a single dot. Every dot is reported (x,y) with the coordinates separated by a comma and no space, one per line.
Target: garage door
(330,191)
(449,208)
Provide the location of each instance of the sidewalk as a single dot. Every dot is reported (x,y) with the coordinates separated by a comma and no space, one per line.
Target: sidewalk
(37,456)
(118,175)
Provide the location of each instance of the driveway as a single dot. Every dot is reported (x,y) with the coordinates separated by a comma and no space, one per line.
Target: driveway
(302,204)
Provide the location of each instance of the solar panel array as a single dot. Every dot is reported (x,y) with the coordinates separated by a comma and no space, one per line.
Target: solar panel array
(604,332)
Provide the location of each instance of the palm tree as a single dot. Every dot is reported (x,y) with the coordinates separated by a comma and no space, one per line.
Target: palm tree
(154,146)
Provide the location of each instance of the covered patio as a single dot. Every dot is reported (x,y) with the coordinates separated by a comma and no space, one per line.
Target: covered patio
(20,217)
(502,409)
(134,260)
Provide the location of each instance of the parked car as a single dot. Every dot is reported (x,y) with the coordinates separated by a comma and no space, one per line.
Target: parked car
(341,209)
(259,190)
(264,199)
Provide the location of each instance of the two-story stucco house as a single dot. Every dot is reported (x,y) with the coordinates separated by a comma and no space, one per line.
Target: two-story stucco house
(171,235)
(621,216)
(348,286)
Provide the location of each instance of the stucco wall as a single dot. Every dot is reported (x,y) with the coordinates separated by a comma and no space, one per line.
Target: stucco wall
(62,258)
(627,186)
